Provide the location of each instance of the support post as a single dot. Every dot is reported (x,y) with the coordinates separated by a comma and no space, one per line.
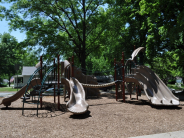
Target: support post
(58,86)
(115,79)
(54,82)
(41,81)
(123,77)
(137,91)
(72,66)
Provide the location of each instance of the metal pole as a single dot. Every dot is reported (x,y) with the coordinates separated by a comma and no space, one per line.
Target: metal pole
(17,81)
(115,79)
(58,86)
(123,77)
(72,66)
(54,83)
(137,91)
(41,81)
(69,69)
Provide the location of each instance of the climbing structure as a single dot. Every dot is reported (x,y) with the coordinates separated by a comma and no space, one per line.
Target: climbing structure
(87,79)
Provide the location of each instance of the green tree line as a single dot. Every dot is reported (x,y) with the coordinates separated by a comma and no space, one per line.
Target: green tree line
(97,31)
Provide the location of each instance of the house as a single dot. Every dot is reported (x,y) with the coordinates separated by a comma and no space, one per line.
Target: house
(21,80)
(179,80)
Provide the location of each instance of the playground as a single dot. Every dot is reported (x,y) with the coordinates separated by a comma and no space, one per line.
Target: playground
(146,106)
(105,118)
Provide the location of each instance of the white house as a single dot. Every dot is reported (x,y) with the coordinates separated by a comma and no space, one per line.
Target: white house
(21,80)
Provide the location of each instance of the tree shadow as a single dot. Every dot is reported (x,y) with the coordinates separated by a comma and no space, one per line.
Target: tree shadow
(161,107)
(137,102)
(48,110)
(81,116)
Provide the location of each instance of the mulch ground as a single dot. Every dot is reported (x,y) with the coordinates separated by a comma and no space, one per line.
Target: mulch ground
(106,118)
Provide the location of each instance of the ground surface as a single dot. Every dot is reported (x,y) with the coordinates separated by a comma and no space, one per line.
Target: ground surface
(105,118)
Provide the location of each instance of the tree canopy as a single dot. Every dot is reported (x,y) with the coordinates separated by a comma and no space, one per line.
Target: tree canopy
(97,30)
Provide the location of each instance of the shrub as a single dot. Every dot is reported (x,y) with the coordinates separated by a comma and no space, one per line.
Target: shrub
(3,85)
(172,81)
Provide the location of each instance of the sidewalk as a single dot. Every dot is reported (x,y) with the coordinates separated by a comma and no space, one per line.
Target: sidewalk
(176,134)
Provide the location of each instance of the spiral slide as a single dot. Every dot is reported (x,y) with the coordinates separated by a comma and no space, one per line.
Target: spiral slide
(77,103)
(20,93)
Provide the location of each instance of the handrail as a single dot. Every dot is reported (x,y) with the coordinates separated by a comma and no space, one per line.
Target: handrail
(42,83)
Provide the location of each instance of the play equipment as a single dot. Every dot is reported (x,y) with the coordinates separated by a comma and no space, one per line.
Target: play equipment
(64,73)
(30,84)
(87,79)
(7,101)
(77,103)
(155,89)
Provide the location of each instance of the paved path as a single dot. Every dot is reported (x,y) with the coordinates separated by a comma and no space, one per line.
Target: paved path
(5,94)
(176,134)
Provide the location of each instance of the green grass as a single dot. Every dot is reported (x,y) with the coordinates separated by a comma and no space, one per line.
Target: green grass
(173,86)
(8,89)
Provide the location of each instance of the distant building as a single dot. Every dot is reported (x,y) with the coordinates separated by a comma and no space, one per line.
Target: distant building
(179,80)
(21,80)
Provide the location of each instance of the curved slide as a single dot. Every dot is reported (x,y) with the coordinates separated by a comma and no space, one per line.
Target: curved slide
(20,93)
(156,91)
(77,103)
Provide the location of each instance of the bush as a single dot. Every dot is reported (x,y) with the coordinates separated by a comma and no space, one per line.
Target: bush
(172,81)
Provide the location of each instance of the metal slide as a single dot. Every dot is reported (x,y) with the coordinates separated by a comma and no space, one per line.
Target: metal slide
(156,91)
(20,93)
(77,103)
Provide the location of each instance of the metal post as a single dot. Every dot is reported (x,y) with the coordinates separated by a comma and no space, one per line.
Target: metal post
(137,92)
(72,66)
(41,81)
(123,77)
(54,83)
(69,69)
(58,86)
(115,79)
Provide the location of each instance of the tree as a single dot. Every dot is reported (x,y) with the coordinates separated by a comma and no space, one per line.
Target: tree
(8,53)
(166,25)
(61,27)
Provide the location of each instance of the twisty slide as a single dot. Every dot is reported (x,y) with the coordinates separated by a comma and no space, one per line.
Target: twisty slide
(20,93)
(156,91)
(77,103)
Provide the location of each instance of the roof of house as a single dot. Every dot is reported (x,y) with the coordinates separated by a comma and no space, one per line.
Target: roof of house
(28,70)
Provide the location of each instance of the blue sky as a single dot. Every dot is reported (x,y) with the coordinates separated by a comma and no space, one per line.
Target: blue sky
(5,28)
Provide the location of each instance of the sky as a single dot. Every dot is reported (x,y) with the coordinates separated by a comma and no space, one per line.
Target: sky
(5,28)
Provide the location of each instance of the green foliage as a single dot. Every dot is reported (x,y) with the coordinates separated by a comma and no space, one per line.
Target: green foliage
(96,35)
(11,53)
(63,27)
(171,81)
(8,54)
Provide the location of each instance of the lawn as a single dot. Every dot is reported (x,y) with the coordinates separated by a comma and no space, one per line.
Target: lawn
(8,89)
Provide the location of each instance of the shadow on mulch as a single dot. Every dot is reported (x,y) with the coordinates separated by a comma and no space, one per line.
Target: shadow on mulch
(105,104)
(137,102)
(166,107)
(51,110)
(146,102)
(81,116)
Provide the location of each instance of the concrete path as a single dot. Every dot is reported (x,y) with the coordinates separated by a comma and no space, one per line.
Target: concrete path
(7,94)
(176,134)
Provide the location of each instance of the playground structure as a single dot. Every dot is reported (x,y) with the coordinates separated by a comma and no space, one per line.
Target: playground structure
(74,81)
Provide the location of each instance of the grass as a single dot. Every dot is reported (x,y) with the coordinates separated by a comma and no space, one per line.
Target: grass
(8,89)
(173,86)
